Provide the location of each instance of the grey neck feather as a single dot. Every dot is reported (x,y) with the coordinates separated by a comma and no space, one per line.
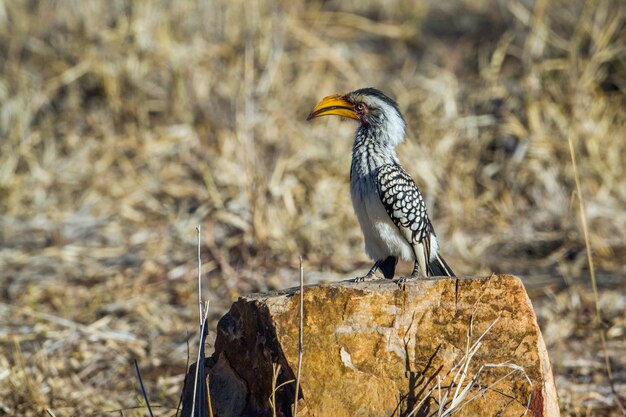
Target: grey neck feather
(371,150)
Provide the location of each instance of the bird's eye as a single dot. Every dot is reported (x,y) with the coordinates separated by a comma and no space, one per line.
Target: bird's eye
(359,107)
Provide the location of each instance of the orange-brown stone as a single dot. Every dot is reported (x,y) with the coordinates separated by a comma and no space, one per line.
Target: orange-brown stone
(376,349)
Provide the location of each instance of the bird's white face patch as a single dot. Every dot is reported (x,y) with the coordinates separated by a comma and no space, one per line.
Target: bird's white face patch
(376,111)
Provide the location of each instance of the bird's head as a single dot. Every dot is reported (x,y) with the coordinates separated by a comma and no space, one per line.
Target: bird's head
(369,106)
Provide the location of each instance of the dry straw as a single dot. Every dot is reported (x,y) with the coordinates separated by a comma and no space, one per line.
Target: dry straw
(123,125)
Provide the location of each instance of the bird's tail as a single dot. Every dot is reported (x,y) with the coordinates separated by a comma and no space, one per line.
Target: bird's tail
(438,267)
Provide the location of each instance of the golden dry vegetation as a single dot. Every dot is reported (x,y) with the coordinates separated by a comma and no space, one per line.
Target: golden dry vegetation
(124,124)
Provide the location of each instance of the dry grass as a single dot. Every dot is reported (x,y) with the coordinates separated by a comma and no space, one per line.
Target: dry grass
(460,386)
(125,124)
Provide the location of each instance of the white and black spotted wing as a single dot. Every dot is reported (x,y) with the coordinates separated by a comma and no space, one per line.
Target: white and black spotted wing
(403,201)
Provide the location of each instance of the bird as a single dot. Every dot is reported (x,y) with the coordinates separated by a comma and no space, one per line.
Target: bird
(388,204)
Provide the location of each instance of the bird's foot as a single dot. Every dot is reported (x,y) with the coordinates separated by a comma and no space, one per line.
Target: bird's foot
(407,278)
(369,277)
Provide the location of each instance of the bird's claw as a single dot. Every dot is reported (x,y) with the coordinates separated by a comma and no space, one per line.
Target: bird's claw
(368,277)
(406,278)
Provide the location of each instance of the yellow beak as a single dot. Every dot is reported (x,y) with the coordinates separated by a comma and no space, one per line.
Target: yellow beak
(335,104)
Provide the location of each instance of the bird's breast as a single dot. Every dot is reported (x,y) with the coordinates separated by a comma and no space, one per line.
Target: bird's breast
(382,237)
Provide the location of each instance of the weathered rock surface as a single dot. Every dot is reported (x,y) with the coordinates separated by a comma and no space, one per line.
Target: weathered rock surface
(375,349)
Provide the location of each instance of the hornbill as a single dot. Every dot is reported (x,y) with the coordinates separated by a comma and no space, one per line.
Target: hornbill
(388,204)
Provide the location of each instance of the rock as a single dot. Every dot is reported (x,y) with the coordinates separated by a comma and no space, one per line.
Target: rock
(375,349)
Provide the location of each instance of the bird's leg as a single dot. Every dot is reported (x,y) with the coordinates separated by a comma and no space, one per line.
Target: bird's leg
(414,274)
(370,275)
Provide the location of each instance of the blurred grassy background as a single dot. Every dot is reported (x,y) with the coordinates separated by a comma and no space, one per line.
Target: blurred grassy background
(124,124)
